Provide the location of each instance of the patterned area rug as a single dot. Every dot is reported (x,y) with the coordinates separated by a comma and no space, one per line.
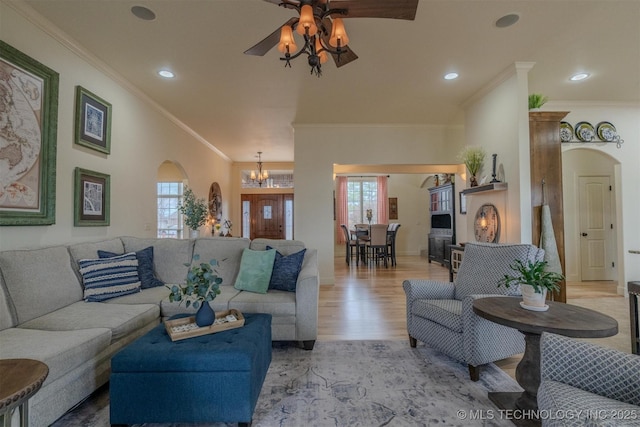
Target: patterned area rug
(361,383)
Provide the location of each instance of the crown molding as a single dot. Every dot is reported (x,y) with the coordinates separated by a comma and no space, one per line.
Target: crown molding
(76,48)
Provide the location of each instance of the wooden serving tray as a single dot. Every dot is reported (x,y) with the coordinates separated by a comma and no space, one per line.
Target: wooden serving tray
(185,327)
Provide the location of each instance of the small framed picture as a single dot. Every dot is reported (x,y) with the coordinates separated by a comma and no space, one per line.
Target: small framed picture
(91,198)
(93,121)
(393,208)
(463,204)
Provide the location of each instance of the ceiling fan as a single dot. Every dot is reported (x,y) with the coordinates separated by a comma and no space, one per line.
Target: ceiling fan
(320,24)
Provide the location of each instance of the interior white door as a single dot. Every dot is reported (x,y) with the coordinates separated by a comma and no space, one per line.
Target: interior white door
(596,228)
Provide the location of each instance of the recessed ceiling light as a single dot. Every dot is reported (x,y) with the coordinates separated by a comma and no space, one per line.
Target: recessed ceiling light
(143,13)
(166,74)
(579,76)
(451,76)
(507,20)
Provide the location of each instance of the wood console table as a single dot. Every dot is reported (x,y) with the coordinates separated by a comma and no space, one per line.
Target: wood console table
(19,380)
(561,319)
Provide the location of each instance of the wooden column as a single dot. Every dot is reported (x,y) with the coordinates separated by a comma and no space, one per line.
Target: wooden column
(546,164)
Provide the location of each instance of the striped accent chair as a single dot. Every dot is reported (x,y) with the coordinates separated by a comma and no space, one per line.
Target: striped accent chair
(440,314)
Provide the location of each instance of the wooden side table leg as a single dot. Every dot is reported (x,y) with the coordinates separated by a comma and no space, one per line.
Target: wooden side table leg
(528,372)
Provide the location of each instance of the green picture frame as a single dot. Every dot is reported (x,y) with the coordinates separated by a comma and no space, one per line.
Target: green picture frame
(28,184)
(91,200)
(93,121)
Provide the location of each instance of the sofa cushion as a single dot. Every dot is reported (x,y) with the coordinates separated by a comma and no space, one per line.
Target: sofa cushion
(106,278)
(285,247)
(169,256)
(227,251)
(286,270)
(25,272)
(255,270)
(62,351)
(7,310)
(445,312)
(121,319)
(276,303)
(89,250)
(145,267)
(145,296)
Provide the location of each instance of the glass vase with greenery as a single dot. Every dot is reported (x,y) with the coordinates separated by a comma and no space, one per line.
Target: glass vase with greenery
(473,158)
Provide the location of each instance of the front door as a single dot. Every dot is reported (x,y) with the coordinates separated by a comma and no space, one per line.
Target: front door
(596,228)
(267,215)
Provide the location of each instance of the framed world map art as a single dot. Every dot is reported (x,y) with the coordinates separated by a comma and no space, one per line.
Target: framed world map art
(28,131)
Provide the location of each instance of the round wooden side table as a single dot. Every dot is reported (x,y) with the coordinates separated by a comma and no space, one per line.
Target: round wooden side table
(19,380)
(562,319)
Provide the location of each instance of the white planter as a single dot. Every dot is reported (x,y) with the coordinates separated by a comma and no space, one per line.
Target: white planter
(193,234)
(532,300)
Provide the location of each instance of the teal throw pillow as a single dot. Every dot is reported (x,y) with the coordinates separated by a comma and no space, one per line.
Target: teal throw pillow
(286,270)
(255,271)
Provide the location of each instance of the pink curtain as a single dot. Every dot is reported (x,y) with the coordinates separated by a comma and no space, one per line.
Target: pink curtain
(342,213)
(383,201)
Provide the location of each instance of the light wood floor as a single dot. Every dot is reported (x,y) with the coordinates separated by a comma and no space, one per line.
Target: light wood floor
(369,303)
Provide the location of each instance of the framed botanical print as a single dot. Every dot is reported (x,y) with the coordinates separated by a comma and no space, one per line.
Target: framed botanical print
(93,121)
(28,131)
(91,204)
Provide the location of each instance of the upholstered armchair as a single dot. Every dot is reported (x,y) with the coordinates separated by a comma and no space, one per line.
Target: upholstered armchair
(595,385)
(440,314)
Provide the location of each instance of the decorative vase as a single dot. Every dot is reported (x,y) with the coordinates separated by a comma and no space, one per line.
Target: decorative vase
(531,300)
(193,234)
(205,316)
(473,181)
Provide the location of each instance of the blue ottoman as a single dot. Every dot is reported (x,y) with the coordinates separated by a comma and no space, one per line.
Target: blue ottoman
(211,378)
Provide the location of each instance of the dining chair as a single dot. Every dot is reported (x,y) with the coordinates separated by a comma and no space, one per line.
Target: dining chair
(392,231)
(362,235)
(351,246)
(376,246)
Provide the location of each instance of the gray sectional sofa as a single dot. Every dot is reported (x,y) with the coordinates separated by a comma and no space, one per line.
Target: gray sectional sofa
(43,315)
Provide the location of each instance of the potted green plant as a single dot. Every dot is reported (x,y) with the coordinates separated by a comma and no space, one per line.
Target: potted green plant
(194,210)
(201,286)
(473,158)
(536,100)
(534,281)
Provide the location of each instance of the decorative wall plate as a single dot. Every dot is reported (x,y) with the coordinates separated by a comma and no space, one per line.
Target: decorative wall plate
(585,132)
(566,132)
(606,131)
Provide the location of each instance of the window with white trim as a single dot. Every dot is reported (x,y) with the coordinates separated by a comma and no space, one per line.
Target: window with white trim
(170,224)
(362,194)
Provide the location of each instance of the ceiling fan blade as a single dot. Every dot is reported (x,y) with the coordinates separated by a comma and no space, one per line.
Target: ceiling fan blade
(346,56)
(268,42)
(391,9)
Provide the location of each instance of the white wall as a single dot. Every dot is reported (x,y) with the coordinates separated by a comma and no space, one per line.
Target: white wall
(621,163)
(318,148)
(142,138)
(498,121)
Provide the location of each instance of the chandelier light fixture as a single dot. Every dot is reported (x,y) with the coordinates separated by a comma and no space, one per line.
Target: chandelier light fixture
(322,34)
(262,175)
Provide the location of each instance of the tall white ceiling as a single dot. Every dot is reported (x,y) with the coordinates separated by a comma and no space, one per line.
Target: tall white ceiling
(242,104)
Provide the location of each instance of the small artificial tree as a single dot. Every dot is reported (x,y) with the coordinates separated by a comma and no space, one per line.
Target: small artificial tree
(194,210)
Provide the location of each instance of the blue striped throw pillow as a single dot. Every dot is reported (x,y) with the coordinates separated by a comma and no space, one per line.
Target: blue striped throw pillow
(109,277)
